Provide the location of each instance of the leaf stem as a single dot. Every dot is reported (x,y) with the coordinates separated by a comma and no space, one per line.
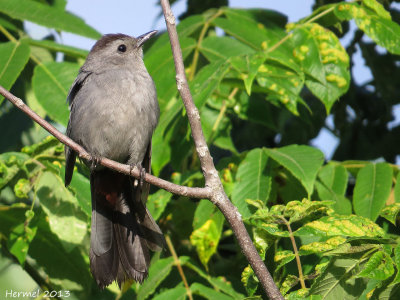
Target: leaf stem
(222,113)
(7,34)
(178,265)
(296,253)
(274,47)
(321,14)
(199,41)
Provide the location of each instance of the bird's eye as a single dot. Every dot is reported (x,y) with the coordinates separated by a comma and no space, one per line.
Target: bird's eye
(122,48)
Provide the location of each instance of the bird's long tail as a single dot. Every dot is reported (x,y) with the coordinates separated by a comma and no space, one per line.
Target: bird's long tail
(122,230)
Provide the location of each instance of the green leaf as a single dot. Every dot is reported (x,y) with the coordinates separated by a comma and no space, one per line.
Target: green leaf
(157,202)
(324,60)
(159,60)
(51,83)
(160,64)
(372,189)
(245,27)
(80,185)
(207,81)
(334,177)
(219,283)
(157,273)
(352,226)
(217,128)
(379,266)
(375,23)
(26,10)
(386,291)
(222,47)
(252,181)
(13,58)
(18,242)
(302,161)
(255,109)
(397,262)
(336,281)
(391,212)
(68,270)
(332,185)
(65,218)
(208,293)
(397,189)
(11,217)
(56,47)
(378,8)
(177,293)
(161,139)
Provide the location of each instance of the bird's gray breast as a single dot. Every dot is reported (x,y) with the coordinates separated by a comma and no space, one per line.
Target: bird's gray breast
(114,114)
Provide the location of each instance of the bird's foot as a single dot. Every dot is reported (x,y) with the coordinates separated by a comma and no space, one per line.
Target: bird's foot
(94,161)
(142,172)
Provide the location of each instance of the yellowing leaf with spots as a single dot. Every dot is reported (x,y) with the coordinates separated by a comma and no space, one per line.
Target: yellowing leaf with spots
(283,257)
(205,239)
(374,21)
(320,247)
(391,212)
(340,225)
(248,66)
(282,85)
(323,60)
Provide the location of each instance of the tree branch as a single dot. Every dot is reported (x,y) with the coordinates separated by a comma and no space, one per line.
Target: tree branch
(194,192)
(218,195)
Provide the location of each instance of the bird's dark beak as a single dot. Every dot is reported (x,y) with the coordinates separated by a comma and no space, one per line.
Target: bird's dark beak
(144,37)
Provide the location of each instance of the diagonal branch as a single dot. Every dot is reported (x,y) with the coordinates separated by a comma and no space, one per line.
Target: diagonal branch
(194,192)
(218,195)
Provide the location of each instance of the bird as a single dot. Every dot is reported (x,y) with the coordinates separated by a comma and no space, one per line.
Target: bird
(113,113)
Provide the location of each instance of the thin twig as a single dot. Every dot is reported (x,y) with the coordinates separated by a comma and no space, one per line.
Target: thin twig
(218,195)
(178,265)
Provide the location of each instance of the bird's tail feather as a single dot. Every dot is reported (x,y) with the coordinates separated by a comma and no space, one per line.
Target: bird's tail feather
(123,230)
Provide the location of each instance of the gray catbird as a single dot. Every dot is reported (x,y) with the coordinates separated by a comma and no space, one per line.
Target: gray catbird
(114,111)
